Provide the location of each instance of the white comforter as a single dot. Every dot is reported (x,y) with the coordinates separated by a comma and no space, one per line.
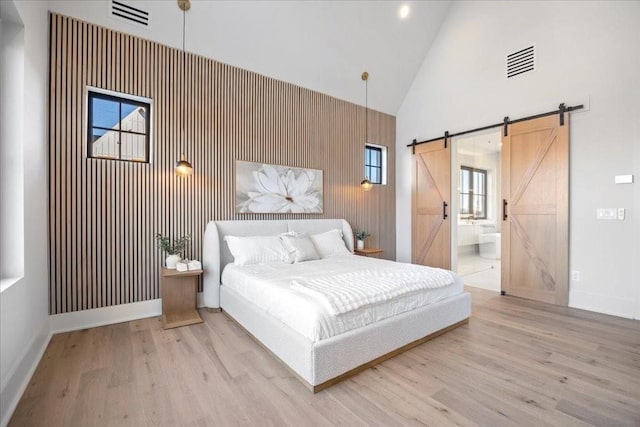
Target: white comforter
(271,287)
(345,292)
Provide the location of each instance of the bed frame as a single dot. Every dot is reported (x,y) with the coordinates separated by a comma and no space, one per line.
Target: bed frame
(320,364)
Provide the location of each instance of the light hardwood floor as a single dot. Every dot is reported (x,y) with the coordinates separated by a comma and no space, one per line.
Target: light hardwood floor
(517,362)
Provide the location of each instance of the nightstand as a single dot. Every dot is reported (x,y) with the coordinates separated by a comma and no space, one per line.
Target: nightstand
(178,290)
(373,252)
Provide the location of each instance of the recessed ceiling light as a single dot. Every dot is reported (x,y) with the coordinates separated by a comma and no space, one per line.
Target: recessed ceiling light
(404,11)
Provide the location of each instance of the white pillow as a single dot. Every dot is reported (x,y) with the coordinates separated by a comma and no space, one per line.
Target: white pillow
(256,250)
(330,244)
(300,247)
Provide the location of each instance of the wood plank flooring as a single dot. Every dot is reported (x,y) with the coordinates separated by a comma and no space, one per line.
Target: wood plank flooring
(516,363)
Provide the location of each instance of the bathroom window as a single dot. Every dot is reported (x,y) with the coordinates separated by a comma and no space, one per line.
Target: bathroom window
(119,126)
(473,193)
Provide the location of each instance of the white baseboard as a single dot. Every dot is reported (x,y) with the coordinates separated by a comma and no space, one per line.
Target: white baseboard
(84,319)
(605,304)
(200,297)
(18,379)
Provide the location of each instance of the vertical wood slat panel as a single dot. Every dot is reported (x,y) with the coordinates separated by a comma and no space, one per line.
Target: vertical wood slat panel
(64,170)
(73,160)
(104,214)
(53,117)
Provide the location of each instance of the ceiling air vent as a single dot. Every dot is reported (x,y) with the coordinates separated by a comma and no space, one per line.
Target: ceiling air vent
(521,61)
(122,10)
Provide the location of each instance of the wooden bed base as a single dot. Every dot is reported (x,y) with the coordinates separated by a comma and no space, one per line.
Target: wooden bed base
(382,358)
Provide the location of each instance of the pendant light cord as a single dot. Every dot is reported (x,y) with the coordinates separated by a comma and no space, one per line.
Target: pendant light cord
(366,182)
(184,66)
(366,111)
(183,167)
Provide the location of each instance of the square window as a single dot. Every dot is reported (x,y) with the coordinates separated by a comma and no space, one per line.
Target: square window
(375,163)
(118,127)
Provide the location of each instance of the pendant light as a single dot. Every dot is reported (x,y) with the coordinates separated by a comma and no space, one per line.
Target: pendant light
(183,167)
(366,184)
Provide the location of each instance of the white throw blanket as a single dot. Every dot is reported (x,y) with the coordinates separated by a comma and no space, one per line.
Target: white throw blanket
(345,292)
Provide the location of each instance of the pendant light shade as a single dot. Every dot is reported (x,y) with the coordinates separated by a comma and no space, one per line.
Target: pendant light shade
(183,167)
(366,184)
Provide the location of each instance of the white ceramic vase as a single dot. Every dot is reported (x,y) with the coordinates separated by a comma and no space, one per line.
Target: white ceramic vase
(172,260)
(360,244)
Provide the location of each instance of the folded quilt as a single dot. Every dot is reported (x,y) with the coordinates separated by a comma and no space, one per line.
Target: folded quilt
(346,292)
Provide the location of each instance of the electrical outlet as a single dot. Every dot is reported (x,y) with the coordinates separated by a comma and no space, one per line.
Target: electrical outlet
(575,276)
(620,213)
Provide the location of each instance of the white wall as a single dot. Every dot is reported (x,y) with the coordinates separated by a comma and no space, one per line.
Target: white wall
(321,45)
(586,51)
(24,320)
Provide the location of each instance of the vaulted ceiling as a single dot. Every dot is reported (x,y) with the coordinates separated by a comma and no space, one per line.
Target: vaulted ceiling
(320,45)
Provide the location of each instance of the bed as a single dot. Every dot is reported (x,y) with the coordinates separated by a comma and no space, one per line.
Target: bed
(339,344)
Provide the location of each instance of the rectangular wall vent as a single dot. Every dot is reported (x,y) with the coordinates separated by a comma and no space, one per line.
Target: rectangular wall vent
(521,61)
(120,9)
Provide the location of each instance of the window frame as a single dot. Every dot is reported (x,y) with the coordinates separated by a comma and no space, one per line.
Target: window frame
(383,163)
(120,98)
(470,206)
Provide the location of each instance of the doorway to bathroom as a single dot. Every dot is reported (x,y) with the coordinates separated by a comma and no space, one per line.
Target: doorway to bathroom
(497,193)
(476,189)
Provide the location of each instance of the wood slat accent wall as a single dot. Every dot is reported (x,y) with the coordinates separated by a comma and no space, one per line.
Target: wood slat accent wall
(104,213)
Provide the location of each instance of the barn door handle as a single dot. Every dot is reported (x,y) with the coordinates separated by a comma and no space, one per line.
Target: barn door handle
(504,209)
(444,210)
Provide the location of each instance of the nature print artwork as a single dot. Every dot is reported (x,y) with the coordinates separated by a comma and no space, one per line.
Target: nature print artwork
(263,188)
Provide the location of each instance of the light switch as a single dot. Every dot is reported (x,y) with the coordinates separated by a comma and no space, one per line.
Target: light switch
(606,213)
(620,213)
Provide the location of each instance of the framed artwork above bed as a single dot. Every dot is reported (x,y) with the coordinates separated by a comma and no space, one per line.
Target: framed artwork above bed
(265,188)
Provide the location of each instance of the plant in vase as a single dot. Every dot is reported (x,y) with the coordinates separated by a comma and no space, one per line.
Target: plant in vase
(360,236)
(173,248)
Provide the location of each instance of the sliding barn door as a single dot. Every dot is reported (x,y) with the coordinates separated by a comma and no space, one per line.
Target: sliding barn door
(431,224)
(535,187)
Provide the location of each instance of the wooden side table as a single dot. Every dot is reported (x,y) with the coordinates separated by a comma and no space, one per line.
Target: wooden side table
(178,290)
(374,252)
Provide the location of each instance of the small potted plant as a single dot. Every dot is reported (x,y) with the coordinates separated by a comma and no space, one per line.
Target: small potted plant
(360,236)
(173,248)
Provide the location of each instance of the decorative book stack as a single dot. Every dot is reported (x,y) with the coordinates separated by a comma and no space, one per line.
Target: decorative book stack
(186,265)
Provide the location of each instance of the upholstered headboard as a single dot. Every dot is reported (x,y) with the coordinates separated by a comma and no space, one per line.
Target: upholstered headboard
(216,255)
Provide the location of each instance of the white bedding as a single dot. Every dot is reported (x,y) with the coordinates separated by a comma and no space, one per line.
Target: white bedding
(345,292)
(269,286)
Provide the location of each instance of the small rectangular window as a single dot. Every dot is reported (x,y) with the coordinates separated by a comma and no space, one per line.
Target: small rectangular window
(118,127)
(473,193)
(375,163)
